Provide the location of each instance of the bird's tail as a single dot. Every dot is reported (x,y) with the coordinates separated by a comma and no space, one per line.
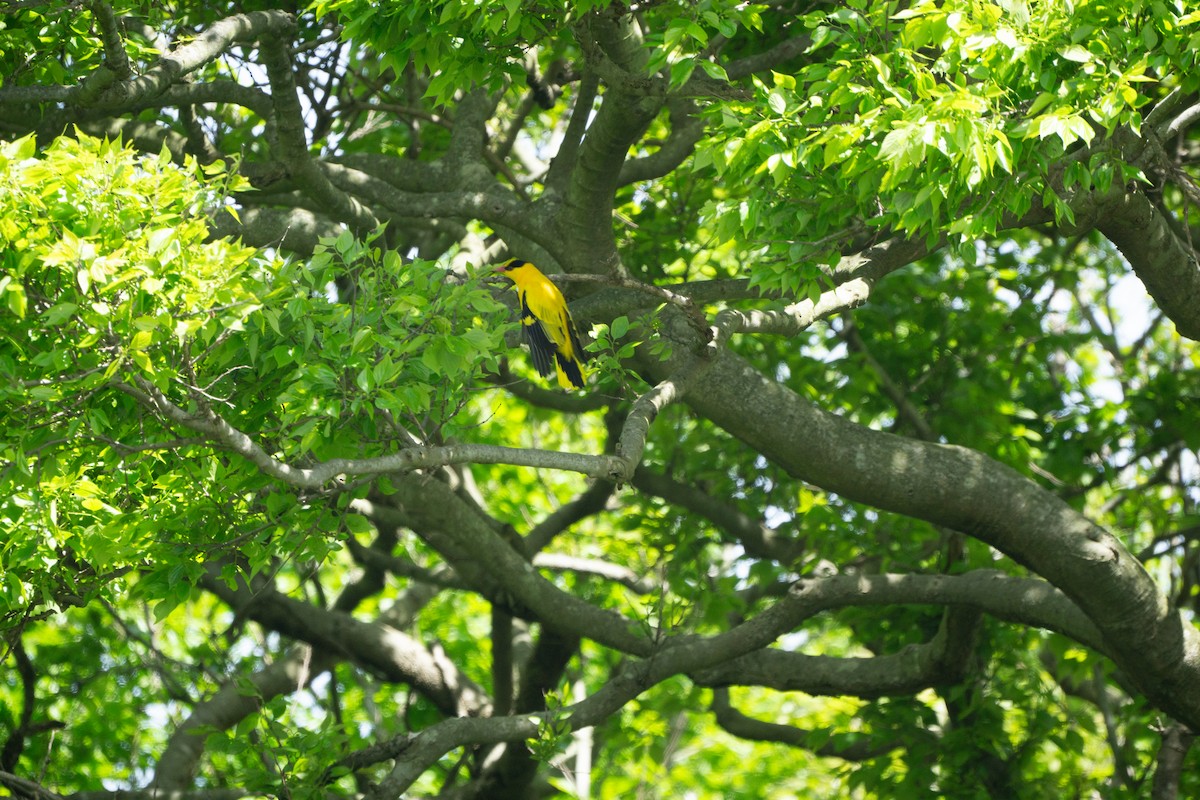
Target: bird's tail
(570,372)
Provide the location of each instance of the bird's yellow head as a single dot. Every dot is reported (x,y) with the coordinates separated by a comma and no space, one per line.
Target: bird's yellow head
(513,267)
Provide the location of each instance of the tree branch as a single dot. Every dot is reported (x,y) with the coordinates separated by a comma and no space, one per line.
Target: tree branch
(758,539)
(966,491)
(769,59)
(378,647)
(494,205)
(855,276)
(745,727)
(616,126)
(674,657)
(491,566)
(292,139)
(558,176)
(295,230)
(686,129)
(1176,741)
(255,26)
(645,409)
(557,562)
(1166,265)
(114,48)
(407,460)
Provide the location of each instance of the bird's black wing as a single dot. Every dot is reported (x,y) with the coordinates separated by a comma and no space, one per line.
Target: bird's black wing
(576,345)
(541,349)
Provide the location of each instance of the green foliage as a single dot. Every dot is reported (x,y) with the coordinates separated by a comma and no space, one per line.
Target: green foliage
(936,120)
(104,286)
(468,44)
(125,327)
(553,729)
(403,337)
(113,291)
(44,43)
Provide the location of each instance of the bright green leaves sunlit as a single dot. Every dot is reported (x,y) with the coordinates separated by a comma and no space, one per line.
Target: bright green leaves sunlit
(113,248)
(105,266)
(111,289)
(105,252)
(898,119)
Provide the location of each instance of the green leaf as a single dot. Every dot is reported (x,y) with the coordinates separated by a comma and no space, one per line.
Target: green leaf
(15,298)
(619,327)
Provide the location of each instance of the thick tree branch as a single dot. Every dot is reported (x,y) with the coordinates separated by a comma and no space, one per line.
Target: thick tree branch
(295,230)
(1165,264)
(378,647)
(904,674)
(966,491)
(687,128)
(617,125)
(114,48)
(493,204)
(1182,121)
(502,661)
(1021,600)
(855,276)
(1176,741)
(292,139)
(109,92)
(225,92)
(559,174)
(490,565)
(645,410)
(403,174)
(468,138)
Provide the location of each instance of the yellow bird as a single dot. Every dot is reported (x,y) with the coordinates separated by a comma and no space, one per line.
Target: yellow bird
(553,343)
